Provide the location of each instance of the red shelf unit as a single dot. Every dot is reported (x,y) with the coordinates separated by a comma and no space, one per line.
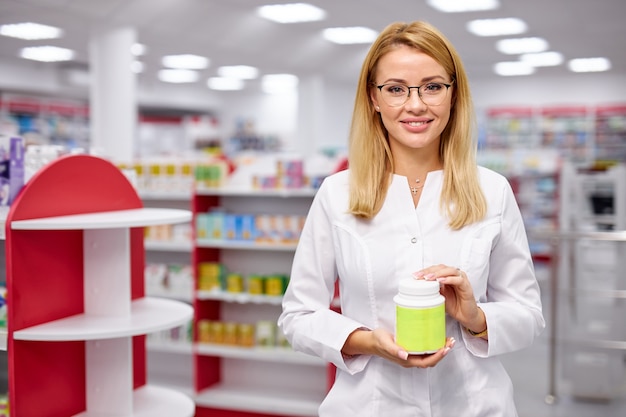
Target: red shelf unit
(231,384)
(77,315)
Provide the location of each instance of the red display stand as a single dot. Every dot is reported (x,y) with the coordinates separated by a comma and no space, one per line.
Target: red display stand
(77,315)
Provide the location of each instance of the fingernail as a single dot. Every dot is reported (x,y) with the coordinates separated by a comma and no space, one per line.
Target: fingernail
(403,354)
(452,341)
(446,350)
(418,274)
(429,276)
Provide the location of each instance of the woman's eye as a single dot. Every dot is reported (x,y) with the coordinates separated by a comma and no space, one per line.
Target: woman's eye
(397,89)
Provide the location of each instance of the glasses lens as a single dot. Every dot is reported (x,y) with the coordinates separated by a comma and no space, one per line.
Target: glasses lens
(395,94)
(433,94)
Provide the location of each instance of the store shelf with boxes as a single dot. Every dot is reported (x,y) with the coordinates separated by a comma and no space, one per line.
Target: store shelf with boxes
(245,240)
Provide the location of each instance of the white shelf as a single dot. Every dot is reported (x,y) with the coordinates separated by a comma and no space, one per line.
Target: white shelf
(152,401)
(259,400)
(268,354)
(252,192)
(147,315)
(242,298)
(165,246)
(234,244)
(139,217)
(166,195)
(183,348)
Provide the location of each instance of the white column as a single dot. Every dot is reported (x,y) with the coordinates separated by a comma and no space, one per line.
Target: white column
(113,107)
(310,115)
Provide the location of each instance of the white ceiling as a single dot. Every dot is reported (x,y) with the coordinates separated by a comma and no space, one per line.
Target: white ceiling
(229,32)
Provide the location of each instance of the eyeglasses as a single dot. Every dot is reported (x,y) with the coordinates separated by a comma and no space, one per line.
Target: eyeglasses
(431,94)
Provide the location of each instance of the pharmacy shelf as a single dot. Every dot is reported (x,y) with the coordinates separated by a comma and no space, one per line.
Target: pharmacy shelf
(152,401)
(166,246)
(252,192)
(184,348)
(147,315)
(259,400)
(245,245)
(139,217)
(166,195)
(268,354)
(243,298)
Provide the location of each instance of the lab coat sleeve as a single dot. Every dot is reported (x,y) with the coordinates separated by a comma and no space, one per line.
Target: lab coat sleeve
(307,320)
(512,305)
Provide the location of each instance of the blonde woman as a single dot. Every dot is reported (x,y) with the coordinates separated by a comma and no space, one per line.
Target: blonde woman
(413,203)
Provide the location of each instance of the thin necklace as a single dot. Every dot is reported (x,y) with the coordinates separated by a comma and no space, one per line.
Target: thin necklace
(417,187)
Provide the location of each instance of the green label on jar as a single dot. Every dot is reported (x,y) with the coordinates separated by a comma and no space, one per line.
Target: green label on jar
(421,330)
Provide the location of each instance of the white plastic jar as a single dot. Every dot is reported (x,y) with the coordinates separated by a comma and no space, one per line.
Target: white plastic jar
(420,316)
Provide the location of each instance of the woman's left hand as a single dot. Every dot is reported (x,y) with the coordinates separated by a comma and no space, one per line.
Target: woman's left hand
(456,288)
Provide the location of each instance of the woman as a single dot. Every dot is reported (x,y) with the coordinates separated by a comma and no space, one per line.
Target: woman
(413,203)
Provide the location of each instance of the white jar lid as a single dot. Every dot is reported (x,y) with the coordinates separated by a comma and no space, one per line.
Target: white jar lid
(414,286)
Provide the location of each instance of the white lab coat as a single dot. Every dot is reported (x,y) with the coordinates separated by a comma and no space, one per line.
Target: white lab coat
(369,257)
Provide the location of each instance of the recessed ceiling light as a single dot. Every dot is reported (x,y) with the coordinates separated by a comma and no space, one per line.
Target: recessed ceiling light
(350,35)
(291,13)
(279,83)
(225,84)
(457,6)
(185,61)
(513,68)
(497,27)
(522,46)
(30,31)
(178,76)
(543,59)
(589,65)
(47,53)
(242,72)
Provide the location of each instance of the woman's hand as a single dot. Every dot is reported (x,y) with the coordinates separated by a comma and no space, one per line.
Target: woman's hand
(381,343)
(456,288)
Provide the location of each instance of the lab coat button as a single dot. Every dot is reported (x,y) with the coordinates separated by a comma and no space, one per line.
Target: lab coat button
(414,240)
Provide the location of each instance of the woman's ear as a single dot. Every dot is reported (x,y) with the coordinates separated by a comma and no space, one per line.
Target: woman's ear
(374,99)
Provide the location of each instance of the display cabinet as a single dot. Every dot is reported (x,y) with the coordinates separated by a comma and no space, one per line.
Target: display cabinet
(78,315)
(263,379)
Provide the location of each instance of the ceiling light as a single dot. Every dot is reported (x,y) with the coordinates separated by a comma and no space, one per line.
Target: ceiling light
(178,76)
(279,83)
(497,27)
(350,35)
(522,46)
(47,53)
(589,65)
(543,59)
(30,31)
(456,6)
(225,84)
(291,13)
(185,61)
(513,68)
(242,72)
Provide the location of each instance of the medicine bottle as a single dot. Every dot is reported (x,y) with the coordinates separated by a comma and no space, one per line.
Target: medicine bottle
(420,316)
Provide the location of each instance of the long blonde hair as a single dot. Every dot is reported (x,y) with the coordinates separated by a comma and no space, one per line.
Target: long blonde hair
(370,158)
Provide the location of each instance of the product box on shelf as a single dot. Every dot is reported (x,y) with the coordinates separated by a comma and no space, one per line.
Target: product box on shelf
(11,168)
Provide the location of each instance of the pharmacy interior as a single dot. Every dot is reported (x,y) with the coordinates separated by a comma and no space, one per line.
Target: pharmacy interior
(223,175)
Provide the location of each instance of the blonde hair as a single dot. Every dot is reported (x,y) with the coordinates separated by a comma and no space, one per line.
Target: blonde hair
(370,158)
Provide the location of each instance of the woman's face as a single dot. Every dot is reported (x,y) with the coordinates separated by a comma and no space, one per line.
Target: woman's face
(414,124)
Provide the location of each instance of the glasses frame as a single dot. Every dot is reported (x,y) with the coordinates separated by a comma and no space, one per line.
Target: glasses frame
(419,94)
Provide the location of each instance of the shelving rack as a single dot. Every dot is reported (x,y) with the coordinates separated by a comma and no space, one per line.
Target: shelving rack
(262,381)
(78,314)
